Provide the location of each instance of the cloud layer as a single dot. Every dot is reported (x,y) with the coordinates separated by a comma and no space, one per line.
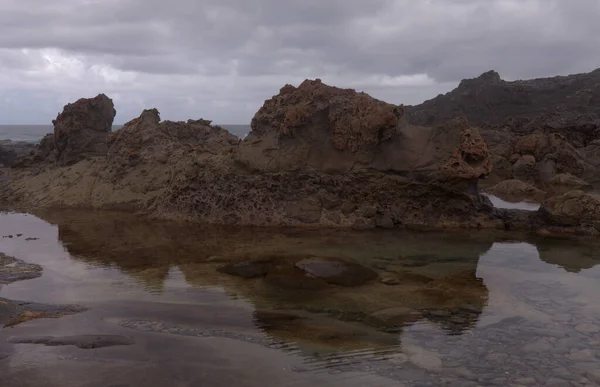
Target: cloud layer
(220,59)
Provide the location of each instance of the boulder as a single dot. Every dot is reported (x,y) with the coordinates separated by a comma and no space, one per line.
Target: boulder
(517,191)
(81,129)
(573,209)
(470,161)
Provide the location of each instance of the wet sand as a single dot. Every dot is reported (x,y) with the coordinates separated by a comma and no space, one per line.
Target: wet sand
(445,309)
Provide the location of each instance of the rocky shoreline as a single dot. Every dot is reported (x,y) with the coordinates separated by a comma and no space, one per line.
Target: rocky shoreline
(321,156)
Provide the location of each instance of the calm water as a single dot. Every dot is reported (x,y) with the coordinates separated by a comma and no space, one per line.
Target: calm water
(446,309)
(33,133)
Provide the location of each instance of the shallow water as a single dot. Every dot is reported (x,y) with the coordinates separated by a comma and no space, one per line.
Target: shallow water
(446,309)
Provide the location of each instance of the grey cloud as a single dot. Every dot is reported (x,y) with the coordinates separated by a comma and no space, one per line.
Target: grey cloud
(242,51)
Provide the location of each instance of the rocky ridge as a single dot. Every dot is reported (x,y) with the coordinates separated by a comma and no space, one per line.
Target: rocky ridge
(536,129)
(317,155)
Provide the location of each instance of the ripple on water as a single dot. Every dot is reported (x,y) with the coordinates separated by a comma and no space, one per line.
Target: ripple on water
(426,309)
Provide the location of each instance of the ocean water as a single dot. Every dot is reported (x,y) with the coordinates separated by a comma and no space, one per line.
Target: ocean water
(33,133)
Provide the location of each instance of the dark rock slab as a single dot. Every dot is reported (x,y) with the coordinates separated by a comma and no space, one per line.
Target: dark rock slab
(79,341)
(247,269)
(336,271)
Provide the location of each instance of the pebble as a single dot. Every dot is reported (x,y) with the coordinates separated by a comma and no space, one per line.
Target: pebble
(587,329)
(582,355)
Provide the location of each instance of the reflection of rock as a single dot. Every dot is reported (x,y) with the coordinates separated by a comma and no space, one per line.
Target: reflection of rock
(248,269)
(573,257)
(430,279)
(337,272)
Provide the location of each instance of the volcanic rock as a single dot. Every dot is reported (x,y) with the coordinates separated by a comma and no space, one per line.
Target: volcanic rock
(320,127)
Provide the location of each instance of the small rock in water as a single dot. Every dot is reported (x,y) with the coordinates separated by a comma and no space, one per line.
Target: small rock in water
(248,269)
(7,236)
(81,341)
(19,235)
(32,239)
(336,271)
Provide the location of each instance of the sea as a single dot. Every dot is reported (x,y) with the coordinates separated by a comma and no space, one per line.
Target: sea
(33,133)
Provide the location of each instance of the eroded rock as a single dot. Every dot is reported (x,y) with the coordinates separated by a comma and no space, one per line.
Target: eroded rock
(82,128)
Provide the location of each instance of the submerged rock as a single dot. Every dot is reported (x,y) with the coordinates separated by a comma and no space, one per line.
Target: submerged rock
(248,269)
(80,341)
(16,312)
(12,270)
(337,272)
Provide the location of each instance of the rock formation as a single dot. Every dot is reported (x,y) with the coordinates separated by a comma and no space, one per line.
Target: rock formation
(317,155)
(316,126)
(535,129)
(81,129)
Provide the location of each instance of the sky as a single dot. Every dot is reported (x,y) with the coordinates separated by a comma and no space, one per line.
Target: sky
(220,59)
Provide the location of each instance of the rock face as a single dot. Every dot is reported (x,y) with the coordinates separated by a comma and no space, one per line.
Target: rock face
(11,151)
(535,129)
(81,129)
(316,126)
(524,105)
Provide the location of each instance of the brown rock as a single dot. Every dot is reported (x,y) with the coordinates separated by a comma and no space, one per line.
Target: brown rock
(526,168)
(318,126)
(517,191)
(81,129)
(471,160)
(565,182)
(575,208)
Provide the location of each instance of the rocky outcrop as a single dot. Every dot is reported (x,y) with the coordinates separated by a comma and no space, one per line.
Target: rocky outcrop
(316,156)
(575,209)
(470,161)
(321,127)
(567,104)
(535,129)
(81,129)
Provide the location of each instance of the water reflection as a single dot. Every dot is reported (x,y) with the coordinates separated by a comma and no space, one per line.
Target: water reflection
(416,280)
(470,307)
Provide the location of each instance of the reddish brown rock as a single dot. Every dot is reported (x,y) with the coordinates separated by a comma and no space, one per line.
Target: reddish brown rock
(470,161)
(318,126)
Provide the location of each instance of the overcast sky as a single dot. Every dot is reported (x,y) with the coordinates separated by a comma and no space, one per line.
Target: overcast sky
(220,59)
